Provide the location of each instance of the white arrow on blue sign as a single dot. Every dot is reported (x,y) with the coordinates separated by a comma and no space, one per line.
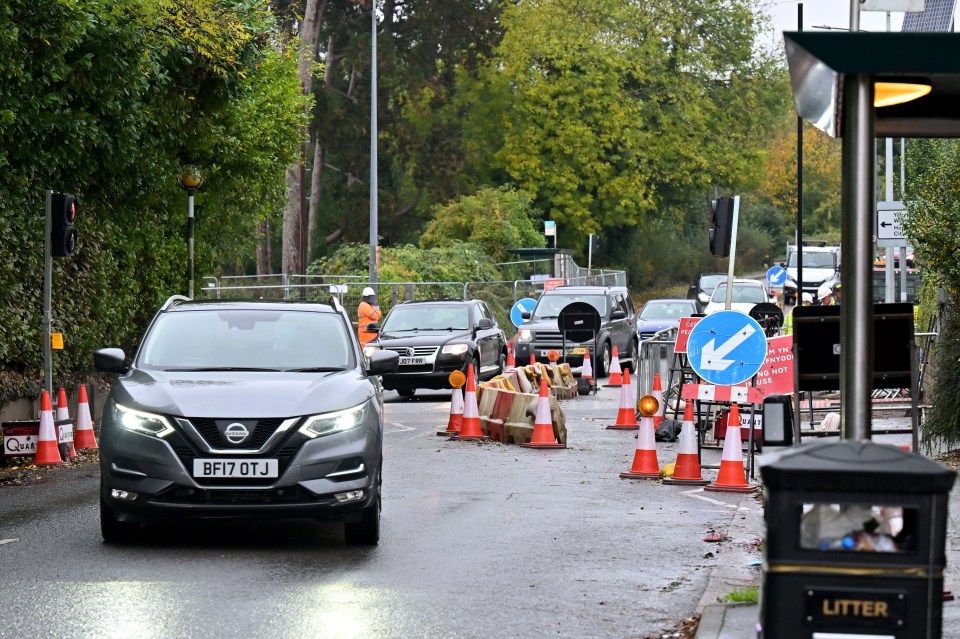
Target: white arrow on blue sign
(525,304)
(727,348)
(777,275)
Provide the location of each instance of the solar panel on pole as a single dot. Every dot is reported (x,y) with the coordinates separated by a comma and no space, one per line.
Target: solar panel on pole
(937,15)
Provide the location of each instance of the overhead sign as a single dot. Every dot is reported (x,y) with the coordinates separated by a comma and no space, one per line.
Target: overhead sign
(890,230)
(777,275)
(727,348)
(516,313)
(683,333)
(775,377)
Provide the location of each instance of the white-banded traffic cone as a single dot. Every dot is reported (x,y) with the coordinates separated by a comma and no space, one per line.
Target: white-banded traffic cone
(86,440)
(627,415)
(731,478)
(686,470)
(543,436)
(658,393)
(456,414)
(645,464)
(470,423)
(511,358)
(616,373)
(48,453)
(65,432)
(586,370)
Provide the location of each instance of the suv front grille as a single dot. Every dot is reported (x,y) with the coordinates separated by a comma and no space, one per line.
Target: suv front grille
(418,351)
(211,434)
(283,453)
(552,337)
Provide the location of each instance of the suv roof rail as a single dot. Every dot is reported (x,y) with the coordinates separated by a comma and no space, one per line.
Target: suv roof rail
(174,299)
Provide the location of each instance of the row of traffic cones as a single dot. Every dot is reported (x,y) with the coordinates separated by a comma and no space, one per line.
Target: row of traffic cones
(731,477)
(464,422)
(48,450)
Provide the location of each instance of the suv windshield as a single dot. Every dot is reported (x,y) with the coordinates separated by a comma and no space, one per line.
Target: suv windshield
(665,310)
(435,317)
(246,339)
(709,282)
(813,259)
(742,293)
(550,306)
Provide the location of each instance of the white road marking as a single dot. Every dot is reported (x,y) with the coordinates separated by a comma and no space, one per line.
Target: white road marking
(7,541)
(697,493)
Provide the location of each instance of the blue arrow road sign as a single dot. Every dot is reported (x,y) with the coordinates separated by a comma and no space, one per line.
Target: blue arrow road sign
(727,348)
(777,275)
(525,304)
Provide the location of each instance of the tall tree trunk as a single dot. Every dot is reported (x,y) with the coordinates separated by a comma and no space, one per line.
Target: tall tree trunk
(294,261)
(319,158)
(264,257)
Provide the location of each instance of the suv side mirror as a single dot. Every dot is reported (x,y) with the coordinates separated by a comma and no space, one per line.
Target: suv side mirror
(618,314)
(383,361)
(110,360)
(485,322)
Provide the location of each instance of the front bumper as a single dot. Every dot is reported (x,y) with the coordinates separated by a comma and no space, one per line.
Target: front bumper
(573,355)
(311,472)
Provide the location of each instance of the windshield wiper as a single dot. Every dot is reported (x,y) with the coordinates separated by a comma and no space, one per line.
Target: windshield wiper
(316,369)
(225,369)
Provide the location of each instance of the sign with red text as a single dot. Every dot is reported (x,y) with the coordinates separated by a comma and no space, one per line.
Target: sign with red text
(683,333)
(775,376)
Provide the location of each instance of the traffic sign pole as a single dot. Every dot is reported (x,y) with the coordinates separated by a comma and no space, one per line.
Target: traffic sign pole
(733,252)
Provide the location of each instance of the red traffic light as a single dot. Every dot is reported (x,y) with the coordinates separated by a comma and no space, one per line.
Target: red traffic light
(63,236)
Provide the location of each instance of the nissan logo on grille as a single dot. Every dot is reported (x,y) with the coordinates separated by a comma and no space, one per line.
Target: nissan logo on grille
(236,433)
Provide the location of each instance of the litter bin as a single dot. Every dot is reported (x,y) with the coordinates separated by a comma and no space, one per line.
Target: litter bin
(855,543)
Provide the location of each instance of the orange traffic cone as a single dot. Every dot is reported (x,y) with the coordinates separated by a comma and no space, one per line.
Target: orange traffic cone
(687,468)
(731,478)
(533,359)
(658,393)
(616,373)
(456,414)
(48,454)
(63,413)
(470,423)
(645,464)
(86,440)
(543,436)
(627,415)
(511,358)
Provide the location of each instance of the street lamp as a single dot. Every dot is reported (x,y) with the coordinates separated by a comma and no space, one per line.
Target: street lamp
(189,179)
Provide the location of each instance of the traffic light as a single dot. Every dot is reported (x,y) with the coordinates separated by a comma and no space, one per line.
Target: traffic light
(63,236)
(721,230)
(594,244)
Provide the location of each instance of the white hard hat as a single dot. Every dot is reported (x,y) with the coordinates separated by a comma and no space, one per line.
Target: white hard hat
(367,292)
(806,298)
(824,290)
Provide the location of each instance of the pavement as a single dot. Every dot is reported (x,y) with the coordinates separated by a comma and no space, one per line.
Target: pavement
(724,620)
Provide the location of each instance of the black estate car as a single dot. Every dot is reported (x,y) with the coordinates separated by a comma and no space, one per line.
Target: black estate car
(435,338)
(243,409)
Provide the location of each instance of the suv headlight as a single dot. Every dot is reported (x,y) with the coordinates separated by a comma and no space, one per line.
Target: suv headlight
(139,421)
(370,349)
(524,335)
(328,423)
(454,349)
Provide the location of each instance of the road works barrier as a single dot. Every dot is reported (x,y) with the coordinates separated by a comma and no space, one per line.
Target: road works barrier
(511,416)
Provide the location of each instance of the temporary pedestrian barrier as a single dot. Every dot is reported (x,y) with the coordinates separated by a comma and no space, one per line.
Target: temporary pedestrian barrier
(86,440)
(543,435)
(616,373)
(686,470)
(645,464)
(470,424)
(65,431)
(48,453)
(731,478)
(627,415)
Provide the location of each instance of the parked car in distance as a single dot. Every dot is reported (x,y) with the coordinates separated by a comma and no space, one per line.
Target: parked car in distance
(618,327)
(746,294)
(435,338)
(243,409)
(702,289)
(659,315)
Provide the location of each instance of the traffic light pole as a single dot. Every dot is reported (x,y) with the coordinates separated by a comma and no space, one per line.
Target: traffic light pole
(47,296)
(733,251)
